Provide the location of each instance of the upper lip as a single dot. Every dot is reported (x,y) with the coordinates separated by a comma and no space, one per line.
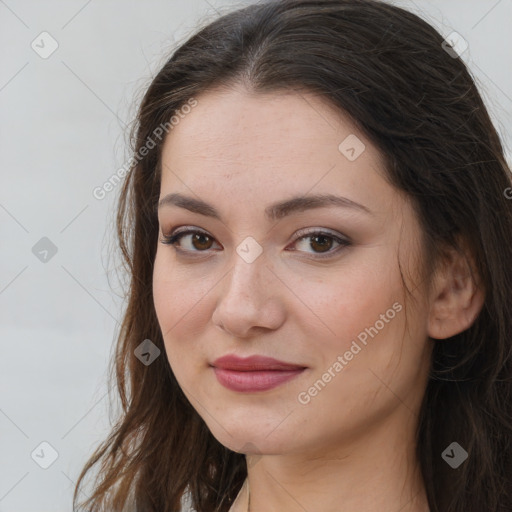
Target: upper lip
(253,363)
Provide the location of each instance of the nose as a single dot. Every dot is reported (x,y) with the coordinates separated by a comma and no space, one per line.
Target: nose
(249,299)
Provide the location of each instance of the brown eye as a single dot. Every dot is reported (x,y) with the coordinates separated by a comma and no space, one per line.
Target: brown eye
(200,240)
(195,241)
(321,243)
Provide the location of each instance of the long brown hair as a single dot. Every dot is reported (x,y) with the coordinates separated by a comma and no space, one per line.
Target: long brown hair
(391,73)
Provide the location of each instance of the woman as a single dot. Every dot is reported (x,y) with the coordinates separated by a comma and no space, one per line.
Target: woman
(317,229)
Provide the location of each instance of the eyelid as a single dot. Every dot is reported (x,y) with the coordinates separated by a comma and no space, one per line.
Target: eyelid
(312,231)
(185,229)
(298,234)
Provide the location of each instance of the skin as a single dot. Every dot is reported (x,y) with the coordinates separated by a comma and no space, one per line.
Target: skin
(352,447)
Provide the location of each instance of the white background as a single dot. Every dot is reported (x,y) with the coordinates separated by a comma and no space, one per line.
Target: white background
(63,132)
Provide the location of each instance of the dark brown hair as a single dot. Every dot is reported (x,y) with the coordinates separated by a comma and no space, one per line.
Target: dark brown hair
(387,69)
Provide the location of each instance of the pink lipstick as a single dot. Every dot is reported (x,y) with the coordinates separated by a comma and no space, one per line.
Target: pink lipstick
(254,373)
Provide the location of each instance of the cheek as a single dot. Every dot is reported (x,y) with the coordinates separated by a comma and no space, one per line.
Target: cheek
(176,298)
(370,353)
(362,322)
(163,292)
(170,307)
(180,308)
(348,300)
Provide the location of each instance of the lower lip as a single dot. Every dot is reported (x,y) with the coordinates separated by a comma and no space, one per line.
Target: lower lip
(254,381)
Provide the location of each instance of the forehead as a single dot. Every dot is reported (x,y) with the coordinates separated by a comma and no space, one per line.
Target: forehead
(287,142)
(236,120)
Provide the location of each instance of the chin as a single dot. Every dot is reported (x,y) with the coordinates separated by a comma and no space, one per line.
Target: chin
(250,439)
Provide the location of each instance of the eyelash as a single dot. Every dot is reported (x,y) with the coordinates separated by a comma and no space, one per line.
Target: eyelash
(175,237)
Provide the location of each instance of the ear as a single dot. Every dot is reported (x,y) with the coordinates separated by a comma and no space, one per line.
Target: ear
(457,295)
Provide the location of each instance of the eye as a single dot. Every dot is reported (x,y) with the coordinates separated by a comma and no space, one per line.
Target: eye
(322,241)
(199,241)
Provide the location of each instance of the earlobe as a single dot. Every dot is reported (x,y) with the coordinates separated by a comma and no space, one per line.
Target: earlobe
(456,299)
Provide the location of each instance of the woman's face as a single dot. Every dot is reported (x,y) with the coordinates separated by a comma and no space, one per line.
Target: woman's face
(317,287)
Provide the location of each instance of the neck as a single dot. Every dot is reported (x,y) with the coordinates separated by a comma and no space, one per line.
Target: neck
(376,472)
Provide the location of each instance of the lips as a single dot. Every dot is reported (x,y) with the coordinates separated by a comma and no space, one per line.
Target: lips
(253,363)
(254,373)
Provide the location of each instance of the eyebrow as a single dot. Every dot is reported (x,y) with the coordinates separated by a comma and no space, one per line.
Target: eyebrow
(273,212)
